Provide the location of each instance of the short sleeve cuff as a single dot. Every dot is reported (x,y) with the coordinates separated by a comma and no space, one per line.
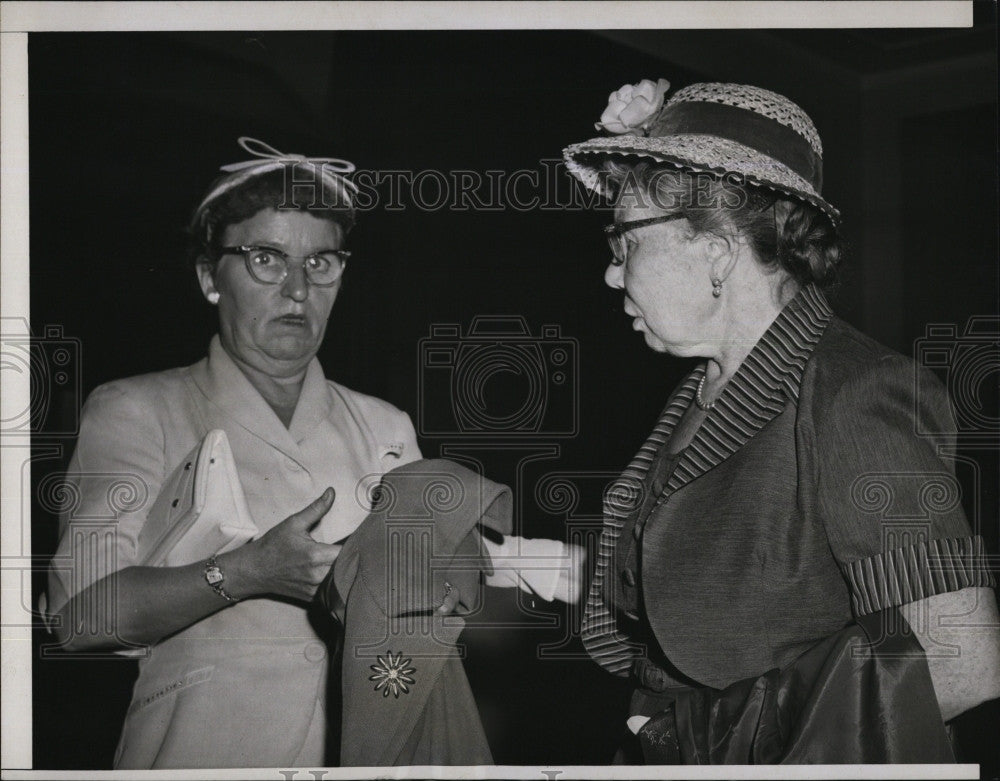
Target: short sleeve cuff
(918,571)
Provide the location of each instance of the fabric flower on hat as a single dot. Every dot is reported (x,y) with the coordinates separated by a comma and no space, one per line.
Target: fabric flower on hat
(632,108)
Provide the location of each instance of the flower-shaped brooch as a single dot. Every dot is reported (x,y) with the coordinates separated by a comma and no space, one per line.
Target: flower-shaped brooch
(392,674)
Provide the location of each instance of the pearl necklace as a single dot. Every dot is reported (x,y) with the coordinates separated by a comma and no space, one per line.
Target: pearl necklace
(702,405)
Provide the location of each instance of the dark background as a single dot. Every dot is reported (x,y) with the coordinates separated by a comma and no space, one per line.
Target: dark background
(128,129)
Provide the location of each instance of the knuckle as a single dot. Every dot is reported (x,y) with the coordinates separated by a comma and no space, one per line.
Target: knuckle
(317,559)
(323,568)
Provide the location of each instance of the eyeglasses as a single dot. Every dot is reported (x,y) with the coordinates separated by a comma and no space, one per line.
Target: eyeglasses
(616,234)
(270,266)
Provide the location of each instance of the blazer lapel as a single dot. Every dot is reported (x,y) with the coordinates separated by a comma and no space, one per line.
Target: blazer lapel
(768,377)
(626,494)
(609,647)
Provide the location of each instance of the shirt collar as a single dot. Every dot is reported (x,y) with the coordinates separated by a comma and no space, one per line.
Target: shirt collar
(224,383)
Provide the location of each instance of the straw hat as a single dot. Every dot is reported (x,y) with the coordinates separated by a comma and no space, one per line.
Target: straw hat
(735,129)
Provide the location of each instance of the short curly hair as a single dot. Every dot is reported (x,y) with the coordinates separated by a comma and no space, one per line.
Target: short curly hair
(783,232)
(274,189)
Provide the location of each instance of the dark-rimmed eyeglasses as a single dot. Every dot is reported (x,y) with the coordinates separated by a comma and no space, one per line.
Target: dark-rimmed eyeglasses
(269,266)
(616,231)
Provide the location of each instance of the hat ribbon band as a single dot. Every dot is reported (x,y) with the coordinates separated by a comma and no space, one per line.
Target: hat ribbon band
(746,127)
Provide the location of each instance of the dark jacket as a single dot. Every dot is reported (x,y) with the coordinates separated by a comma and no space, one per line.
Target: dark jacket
(816,491)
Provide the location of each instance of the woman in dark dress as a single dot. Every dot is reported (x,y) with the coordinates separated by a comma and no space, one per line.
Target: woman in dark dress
(784,496)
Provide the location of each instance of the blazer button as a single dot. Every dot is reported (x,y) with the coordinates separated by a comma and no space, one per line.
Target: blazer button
(628,577)
(315,652)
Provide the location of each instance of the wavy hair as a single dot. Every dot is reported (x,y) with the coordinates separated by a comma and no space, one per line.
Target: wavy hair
(270,190)
(784,233)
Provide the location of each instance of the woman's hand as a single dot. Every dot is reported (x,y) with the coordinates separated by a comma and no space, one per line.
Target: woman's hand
(286,560)
(452,596)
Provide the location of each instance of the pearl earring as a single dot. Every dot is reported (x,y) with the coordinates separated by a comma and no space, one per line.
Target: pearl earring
(716,287)
(213,297)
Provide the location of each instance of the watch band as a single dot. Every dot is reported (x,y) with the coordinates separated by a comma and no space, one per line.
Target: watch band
(215,578)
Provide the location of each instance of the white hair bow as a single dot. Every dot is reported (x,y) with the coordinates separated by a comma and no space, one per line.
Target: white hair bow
(267,159)
(267,154)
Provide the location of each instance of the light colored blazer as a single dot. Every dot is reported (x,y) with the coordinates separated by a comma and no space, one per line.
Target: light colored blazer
(245,686)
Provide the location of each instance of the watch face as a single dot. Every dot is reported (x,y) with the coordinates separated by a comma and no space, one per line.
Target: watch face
(214,576)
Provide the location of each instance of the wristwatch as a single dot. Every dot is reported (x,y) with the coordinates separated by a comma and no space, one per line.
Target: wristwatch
(214,578)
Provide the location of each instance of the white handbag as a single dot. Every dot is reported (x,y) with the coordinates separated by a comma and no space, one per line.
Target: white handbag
(201,509)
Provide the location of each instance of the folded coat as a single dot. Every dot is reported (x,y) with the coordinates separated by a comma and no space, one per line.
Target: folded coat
(406,700)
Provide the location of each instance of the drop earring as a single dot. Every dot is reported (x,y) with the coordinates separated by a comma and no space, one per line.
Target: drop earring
(716,287)
(213,297)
